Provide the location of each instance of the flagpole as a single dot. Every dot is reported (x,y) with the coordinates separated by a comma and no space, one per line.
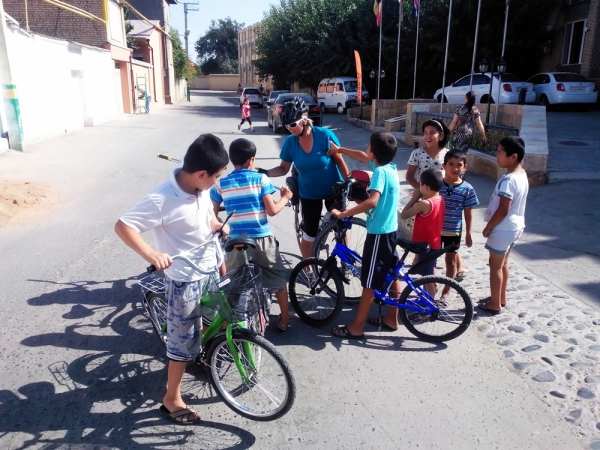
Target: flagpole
(416,53)
(446,55)
(475,45)
(380,40)
(506,8)
(401,16)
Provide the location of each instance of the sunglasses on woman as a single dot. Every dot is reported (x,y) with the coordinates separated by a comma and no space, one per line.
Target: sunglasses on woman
(295,124)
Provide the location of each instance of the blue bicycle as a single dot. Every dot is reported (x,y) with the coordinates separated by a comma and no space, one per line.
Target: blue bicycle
(433,308)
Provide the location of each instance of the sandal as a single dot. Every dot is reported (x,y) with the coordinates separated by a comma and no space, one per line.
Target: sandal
(342,331)
(460,276)
(378,322)
(485,308)
(487,300)
(184,416)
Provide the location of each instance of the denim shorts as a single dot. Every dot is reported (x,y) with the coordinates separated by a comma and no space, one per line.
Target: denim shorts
(184,319)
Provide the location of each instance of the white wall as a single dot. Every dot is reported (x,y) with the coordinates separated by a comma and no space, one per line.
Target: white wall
(61,86)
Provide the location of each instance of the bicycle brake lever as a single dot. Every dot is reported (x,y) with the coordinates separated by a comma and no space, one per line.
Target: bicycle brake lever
(151,268)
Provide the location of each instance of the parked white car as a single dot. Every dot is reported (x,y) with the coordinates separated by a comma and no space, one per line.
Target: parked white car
(512,90)
(338,93)
(553,88)
(253,94)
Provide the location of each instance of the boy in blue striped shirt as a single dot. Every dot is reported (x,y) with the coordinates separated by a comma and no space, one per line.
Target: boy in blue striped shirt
(459,198)
(249,194)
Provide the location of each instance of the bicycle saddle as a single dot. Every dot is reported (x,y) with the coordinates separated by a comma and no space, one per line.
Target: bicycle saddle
(242,242)
(413,247)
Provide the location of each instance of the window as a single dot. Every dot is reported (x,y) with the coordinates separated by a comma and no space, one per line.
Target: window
(322,88)
(573,44)
(330,87)
(115,22)
(464,81)
(481,79)
(339,87)
(540,79)
(350,86)
(569,77)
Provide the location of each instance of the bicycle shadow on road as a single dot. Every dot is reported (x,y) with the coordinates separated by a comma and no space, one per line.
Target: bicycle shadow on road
(110,395)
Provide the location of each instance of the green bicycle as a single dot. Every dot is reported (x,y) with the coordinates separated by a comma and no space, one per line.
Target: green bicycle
(246,370)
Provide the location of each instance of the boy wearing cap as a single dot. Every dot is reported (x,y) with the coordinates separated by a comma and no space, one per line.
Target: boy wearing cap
(505,217)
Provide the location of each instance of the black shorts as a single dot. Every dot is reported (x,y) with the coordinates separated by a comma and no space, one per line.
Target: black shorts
(423,268)
(378,259)
(451,241)
(311,214)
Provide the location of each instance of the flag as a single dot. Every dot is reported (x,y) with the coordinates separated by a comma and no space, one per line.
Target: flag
(358,77)
(416,7)
(378,11)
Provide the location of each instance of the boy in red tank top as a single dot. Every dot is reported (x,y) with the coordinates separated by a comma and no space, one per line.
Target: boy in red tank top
(427,205)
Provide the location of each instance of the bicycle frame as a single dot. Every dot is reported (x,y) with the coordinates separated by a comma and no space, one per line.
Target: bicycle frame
(423,305)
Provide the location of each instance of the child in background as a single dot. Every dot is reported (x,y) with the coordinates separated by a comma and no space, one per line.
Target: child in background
(246,112)
(505,217)
(459,198)
(427,206)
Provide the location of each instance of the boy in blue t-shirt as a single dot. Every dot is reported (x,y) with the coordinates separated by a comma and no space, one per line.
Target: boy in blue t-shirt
(249,194)
(459,197)
(382,224)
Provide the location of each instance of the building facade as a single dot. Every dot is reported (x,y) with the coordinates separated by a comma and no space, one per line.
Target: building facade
(247,54)
(575,45)
(97,23)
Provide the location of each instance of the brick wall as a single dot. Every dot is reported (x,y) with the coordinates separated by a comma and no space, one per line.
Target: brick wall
(50,20)
(591,52)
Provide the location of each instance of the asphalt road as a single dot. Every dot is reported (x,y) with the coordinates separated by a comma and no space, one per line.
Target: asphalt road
(80,367)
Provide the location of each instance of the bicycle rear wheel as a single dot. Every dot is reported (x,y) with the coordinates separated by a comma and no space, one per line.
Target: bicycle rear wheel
(353,238)
(316,293)
(155,306)
(452,319)
(266,390)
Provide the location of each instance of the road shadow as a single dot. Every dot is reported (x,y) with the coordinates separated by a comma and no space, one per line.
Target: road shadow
(109,396)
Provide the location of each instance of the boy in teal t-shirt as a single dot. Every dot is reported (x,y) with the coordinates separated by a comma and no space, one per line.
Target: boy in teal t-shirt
(382,225)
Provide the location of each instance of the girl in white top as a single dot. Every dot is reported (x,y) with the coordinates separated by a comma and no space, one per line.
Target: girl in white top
(505,217)
(431,154)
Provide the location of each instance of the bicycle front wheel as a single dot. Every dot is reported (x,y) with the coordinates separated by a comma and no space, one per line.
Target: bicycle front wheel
(455,309)
(316,293)
(353,238)
(259,385)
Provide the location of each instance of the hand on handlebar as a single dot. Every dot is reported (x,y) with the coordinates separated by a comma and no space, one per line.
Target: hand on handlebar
(286,192)
(337,213)
(159,261)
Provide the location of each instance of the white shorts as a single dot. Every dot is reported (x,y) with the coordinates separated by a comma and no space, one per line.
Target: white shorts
(501,241)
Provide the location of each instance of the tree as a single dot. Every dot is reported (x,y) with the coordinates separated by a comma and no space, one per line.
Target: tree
(184,68)
(307,40)
(218,49)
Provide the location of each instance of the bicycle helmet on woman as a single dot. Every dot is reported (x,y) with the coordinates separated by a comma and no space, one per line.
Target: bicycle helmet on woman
(293,110)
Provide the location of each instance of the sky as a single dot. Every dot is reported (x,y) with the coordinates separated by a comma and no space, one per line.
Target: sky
(245,11)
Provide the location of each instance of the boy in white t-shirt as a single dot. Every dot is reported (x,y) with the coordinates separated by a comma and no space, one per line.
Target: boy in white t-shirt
(505,217)
(180,214)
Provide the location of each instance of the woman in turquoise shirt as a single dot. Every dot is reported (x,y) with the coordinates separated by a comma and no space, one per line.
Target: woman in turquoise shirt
(318,172)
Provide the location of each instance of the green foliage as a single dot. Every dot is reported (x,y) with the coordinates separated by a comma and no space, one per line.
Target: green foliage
(306,40)
(184,68)
(218,49)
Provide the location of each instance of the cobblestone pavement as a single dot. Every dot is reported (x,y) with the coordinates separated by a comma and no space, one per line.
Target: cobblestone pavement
(547,337)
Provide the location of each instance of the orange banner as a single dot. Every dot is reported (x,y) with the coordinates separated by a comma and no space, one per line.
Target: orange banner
(358,77)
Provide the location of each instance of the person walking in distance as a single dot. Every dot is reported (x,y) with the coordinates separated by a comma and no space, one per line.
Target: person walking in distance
(246,110)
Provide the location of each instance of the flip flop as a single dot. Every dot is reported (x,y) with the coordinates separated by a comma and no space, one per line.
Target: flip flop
(184,416)
(280,327)
(460,276)
(342,331)
(487,300)
(484,307)
(378,322)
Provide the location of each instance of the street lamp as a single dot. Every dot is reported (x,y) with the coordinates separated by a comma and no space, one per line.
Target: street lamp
(485,66)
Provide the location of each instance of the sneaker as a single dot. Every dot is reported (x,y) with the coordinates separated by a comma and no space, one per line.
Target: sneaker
(239,126)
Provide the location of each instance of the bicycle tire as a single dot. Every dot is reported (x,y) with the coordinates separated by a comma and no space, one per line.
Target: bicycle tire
(412,321)
(231,396)
(155,306)
(354,290)
(335,295)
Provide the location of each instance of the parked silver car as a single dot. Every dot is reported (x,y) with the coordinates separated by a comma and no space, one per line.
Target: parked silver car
(253,95)
(552,88)
(511,88)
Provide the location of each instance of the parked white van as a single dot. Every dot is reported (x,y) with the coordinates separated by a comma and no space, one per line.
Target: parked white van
(338,93)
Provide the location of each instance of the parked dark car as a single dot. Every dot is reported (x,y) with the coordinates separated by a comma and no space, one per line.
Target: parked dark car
(275,110)
(273,96)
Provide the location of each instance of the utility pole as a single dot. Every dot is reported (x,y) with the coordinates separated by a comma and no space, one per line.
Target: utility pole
(186,10)
(12,110)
